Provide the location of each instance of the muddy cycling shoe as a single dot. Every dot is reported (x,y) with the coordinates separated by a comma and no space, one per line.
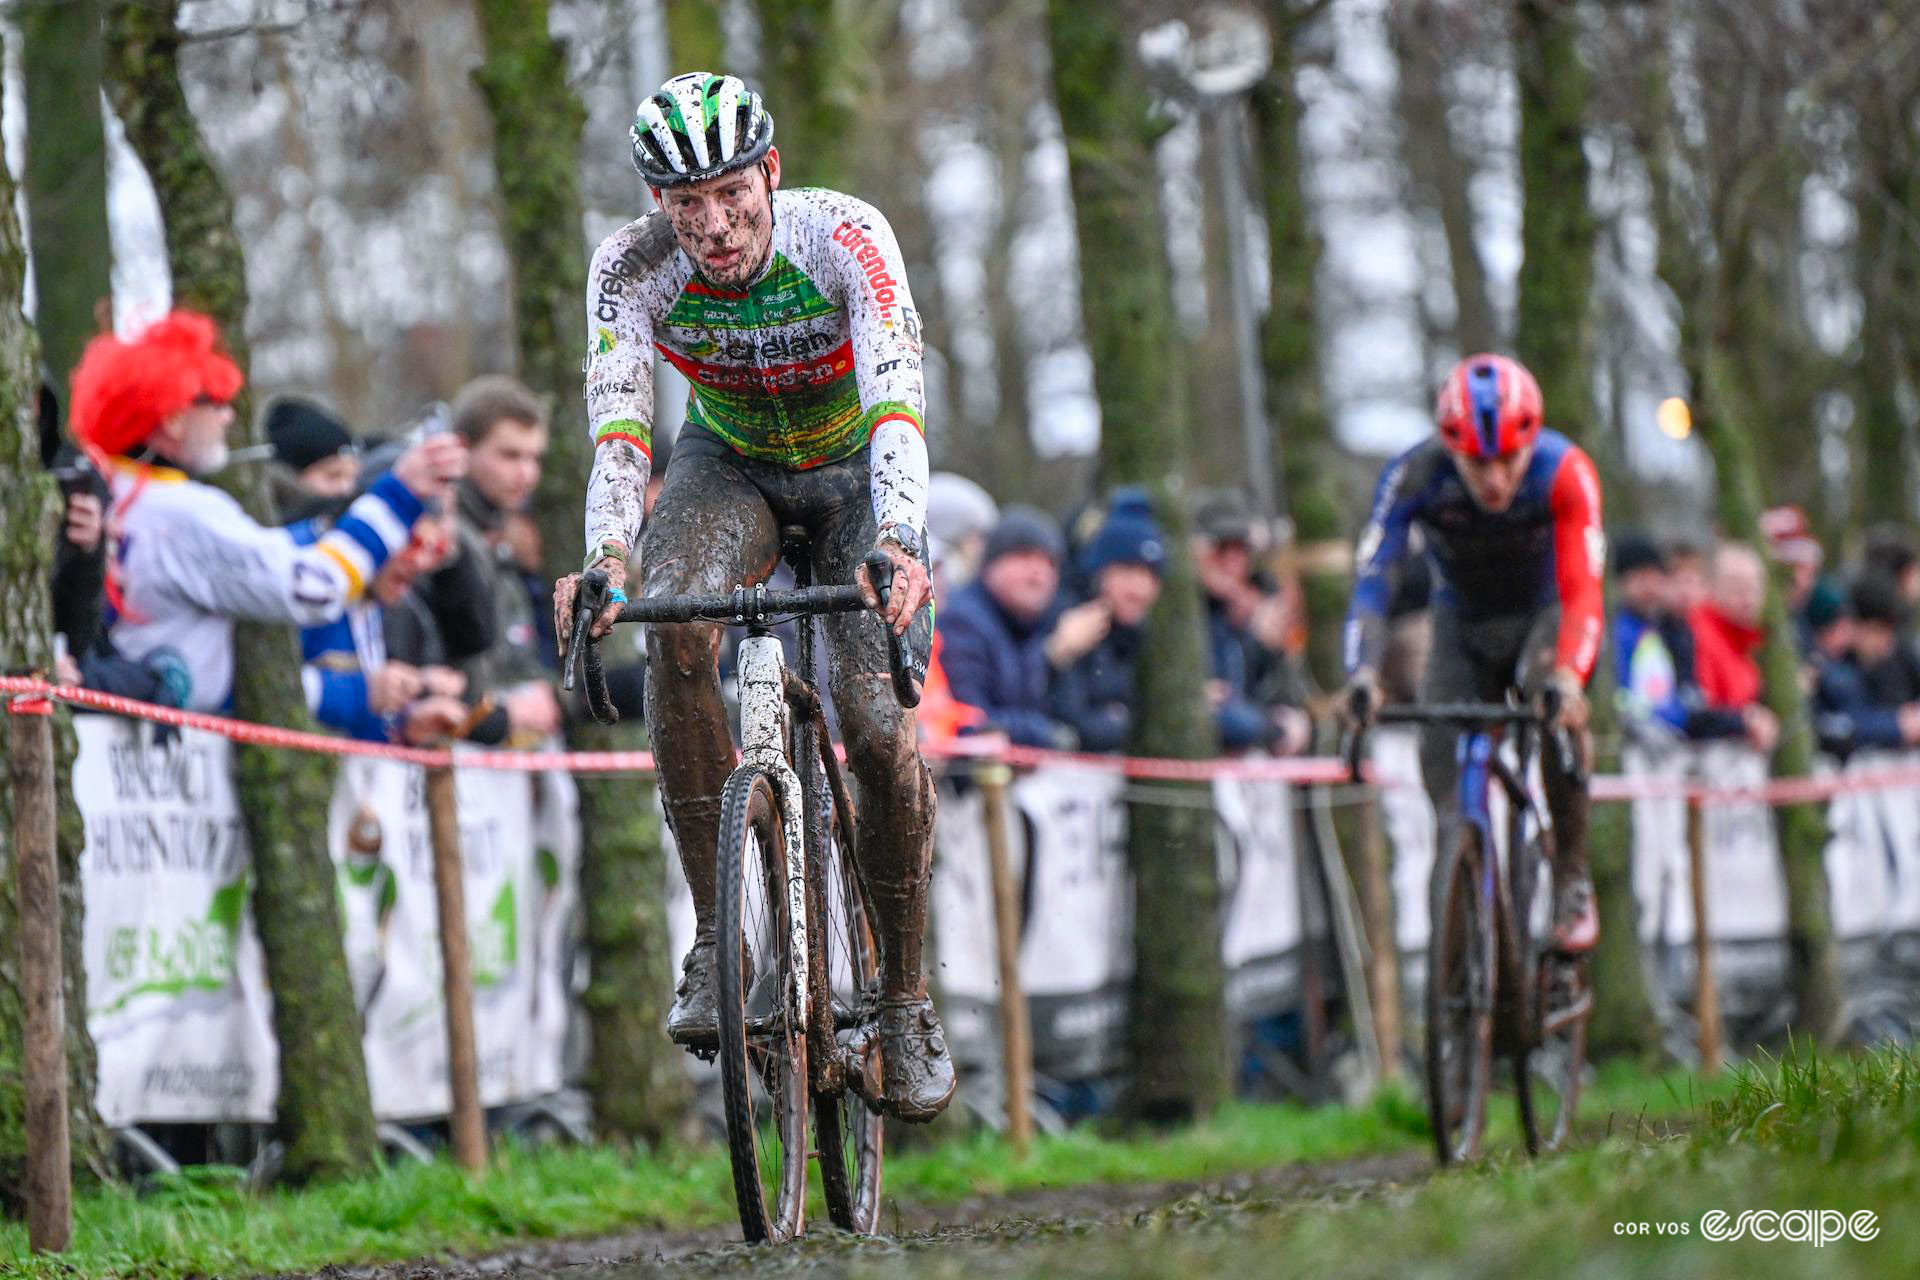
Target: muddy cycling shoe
(693,1020)
(1576,921)
(917,1073)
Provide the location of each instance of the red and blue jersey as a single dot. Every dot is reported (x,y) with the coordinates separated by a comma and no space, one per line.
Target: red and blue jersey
(1546,548)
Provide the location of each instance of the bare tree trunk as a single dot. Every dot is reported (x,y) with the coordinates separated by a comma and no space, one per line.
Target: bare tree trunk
(638,1089)
(1889,275)
(1177,1020)
(1555,339)
(1290,351)
(1709,290)
(66,178)
(324,1112)
(28,522)
(1434,161)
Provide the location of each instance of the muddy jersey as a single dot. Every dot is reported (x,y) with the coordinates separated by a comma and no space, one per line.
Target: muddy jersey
(1546,548)
(818,357)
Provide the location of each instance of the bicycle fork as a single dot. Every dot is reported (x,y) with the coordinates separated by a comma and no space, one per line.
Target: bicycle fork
(764,723)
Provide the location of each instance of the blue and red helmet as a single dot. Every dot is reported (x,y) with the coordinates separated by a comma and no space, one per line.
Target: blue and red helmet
(1488,407)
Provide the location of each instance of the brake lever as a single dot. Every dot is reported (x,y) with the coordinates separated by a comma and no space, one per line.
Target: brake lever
(589,601)
(899,655)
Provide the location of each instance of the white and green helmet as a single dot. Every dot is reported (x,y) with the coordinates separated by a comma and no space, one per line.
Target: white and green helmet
(698,126)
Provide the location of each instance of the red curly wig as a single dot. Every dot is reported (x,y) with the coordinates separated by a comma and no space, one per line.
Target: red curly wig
(123,391)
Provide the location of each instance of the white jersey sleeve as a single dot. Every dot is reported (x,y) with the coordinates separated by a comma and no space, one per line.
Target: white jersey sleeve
(223,563)
(872,277)
(619,387)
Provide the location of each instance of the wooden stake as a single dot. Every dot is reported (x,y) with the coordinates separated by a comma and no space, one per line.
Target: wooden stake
(1016,1031)
(1706,994)
(467,1125)
(43,1007)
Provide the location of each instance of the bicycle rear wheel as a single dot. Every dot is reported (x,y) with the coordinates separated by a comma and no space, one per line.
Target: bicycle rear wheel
(1548,1068)
(763,1048)
(847,1134)
(1460,969)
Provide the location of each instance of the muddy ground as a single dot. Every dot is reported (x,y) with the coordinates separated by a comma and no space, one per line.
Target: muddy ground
(999,1231)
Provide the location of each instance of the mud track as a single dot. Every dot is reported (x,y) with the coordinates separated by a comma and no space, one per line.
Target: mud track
(998,1229)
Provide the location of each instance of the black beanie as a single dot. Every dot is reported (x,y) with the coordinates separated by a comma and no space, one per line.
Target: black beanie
(303,433)
(1025,529)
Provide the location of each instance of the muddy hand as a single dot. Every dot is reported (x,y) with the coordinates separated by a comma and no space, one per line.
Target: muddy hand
(911,587)
(567,590)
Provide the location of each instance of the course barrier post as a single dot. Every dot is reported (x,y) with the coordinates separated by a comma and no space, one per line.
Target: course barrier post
(1706,995)
(467,1126)
(1016,1032)
(43,1006)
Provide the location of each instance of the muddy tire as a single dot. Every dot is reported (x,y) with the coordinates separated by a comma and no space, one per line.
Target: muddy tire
(1460,978)
(763,1047)
(848,1135)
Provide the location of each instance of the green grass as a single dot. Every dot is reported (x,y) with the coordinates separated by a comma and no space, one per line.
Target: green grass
(1805,1132)
(206,1223)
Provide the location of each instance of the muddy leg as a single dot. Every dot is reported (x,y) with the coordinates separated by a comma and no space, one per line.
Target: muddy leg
(711,530)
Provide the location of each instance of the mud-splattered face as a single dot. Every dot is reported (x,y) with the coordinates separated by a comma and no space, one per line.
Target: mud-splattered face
(725,224)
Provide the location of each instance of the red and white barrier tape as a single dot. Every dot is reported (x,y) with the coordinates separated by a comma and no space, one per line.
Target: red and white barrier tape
(1323,770)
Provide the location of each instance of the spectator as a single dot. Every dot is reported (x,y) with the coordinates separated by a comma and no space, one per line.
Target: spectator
(1246,629)
(504,426)
(1687,577)
(959,515)
(1856,706)
(355,686)
(1727,631)
(316,459)
(1653,654)
(1881,614)
(1891,553)
(155,412)
(994,634)
(1790,542)
(1094,690)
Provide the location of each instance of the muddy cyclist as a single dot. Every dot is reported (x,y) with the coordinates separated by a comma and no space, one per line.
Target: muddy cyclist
(788,312)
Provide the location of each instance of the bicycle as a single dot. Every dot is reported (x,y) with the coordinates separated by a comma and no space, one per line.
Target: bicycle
(1495,986)
(797,967)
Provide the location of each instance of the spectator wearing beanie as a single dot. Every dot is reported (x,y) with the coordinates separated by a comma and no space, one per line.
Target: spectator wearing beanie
(153,413)
(1865,697)
(994,634)
(960,514)
(1095,646)
(316,456)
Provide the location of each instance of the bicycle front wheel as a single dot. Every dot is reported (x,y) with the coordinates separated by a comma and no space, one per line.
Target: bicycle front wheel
(847,1134)
(1460,964)
(763,1047)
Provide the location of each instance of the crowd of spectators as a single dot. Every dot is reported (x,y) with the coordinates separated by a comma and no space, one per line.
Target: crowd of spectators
(1040,634)
(1688,625)
(407,561)
(411,566)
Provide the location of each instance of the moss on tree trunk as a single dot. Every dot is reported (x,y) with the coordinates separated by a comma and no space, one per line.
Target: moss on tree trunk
(638,1090)
(66,178)
(1555,340)
(1177,1026)
(29,520)
(1290,353)
(324,1111)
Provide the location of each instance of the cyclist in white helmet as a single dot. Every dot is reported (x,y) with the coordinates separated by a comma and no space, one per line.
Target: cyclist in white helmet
(788,312)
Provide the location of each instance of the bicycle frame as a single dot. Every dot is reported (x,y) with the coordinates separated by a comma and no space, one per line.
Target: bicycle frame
(1481,767)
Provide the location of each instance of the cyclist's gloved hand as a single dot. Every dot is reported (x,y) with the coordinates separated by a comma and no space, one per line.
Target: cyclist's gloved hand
(1361,698)
(1564,698)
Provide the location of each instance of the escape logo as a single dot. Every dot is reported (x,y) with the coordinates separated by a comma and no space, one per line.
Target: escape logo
(1801,1226)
